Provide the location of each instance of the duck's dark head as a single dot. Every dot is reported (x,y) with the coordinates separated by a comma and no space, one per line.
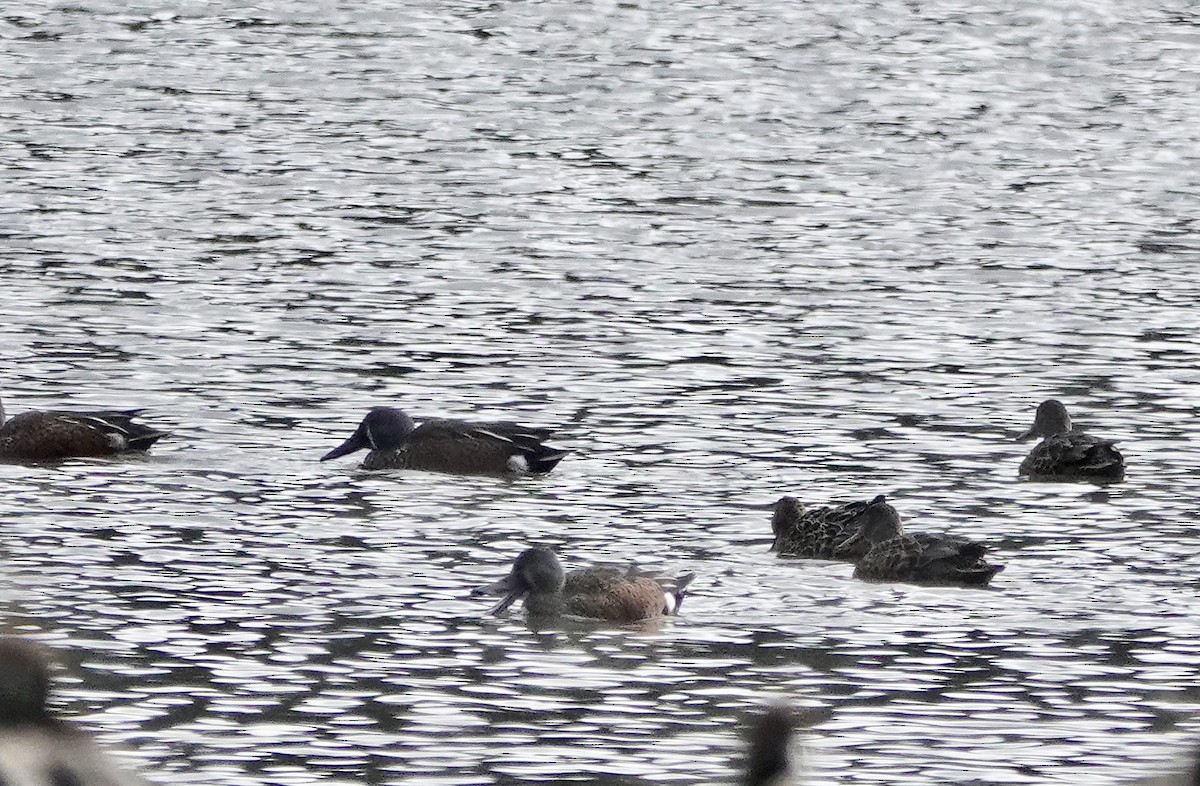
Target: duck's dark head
(878,522)
(785,513)
(24,681)
(1051,419)
(384,428)
(537,570)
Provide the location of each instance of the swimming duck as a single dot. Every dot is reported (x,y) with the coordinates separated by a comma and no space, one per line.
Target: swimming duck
(605,593)
(922,558)
(54,435)
(36,747)
(1066,453)
(816,533)
(453,446)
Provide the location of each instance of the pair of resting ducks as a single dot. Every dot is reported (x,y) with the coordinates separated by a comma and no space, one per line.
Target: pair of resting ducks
(868,533)
(39,749)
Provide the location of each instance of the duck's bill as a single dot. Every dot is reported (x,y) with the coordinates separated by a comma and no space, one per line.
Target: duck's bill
(1027,435)
(502,587)
(355,442)
(849,543)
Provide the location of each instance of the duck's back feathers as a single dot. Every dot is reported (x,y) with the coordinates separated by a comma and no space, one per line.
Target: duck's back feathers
(1074,455)
(815,533)
(622,595)
(49,436)
(927,558)
(465,448)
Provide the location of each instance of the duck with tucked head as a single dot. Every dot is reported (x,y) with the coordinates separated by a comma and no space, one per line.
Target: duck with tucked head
(922,558)
(454,446)
(816,533)
(601,592)
(54,435)
(1066,453)
(35,746)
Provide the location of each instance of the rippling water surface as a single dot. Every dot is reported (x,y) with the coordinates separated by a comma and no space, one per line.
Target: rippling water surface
(730,251)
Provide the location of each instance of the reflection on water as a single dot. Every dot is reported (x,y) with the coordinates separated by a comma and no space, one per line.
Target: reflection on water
(729,253)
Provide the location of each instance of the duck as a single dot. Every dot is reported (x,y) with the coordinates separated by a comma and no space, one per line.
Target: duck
(816,533)
(54,435)
(1066,453)
(921,558)
(598,593)
(452,446)
(768,753)
(35,746)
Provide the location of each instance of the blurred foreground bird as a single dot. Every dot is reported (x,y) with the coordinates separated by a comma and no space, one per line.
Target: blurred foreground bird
(36,748)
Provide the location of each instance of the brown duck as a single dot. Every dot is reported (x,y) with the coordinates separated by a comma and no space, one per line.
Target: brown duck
(816,533)
(605,593)
(921,558)
(54,435)
(1066,453)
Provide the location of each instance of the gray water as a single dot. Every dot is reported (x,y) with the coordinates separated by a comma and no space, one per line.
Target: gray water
(729,251)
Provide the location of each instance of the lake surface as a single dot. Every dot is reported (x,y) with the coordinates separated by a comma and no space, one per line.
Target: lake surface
(729,251)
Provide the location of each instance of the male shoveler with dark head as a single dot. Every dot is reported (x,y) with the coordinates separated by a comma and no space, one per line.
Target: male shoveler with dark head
(454,446)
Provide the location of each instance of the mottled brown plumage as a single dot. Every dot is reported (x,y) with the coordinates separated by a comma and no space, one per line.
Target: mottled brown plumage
(602,592)
(1065,453)
(816,533)
(922,558)
(54,435)
(452,446)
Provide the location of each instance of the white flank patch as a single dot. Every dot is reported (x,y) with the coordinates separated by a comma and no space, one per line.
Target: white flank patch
(669,602)
(518,464)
